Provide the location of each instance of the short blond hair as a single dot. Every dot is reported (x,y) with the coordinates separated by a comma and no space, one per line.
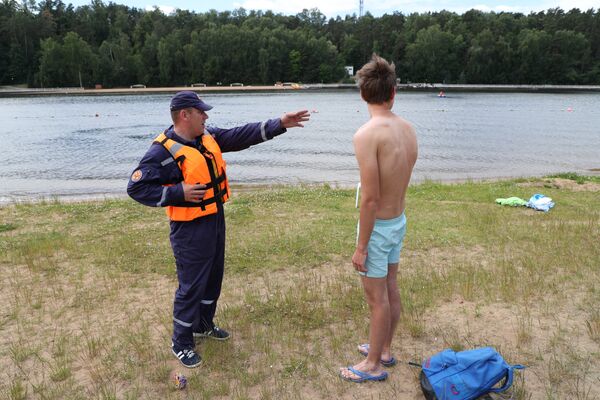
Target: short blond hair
(377,80)
(175,113)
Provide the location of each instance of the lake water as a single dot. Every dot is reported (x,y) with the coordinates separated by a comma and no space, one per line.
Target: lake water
(88,145)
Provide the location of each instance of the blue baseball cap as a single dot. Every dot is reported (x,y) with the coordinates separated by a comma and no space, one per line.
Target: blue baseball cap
(187,99)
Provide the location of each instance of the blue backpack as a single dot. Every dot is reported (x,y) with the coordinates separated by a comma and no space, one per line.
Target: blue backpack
(466,375)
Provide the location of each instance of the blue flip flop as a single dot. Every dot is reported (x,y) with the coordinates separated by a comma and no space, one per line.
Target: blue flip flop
(364,350)
(363,376)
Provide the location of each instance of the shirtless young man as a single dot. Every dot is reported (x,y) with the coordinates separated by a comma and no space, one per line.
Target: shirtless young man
(386,150)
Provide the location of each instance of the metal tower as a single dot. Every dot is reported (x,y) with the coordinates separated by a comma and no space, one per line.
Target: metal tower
(360,8)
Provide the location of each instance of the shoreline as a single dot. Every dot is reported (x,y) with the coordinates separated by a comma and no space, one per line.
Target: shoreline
(6,92)
(250,187)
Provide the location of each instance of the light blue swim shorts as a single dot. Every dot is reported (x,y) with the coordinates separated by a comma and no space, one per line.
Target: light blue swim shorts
(384,246)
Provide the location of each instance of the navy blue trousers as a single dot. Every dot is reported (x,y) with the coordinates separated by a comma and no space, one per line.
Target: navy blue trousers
(199,249)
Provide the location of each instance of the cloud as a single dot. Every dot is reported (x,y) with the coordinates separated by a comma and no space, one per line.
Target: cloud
(165,9)
(331,8)
(500,8)
(583,5)
(460,6)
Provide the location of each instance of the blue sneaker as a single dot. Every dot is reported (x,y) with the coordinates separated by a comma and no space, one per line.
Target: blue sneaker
(215,333)
(187,357)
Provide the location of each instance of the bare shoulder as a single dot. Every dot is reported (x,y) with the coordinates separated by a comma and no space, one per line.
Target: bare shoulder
(373,128)
(364,133)
(364,129)
(403,124)
(366,139)
(406,131)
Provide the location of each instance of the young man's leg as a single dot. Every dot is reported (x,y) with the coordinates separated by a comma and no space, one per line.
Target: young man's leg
(395,309)
(379,328)
(397,231)
(379,305)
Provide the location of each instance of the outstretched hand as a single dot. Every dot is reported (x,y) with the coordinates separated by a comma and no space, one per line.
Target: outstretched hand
(293,119)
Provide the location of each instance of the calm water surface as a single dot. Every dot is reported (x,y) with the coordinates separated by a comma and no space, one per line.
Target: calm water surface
(71,146)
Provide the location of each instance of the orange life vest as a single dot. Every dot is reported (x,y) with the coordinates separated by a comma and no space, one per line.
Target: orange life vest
(202,165)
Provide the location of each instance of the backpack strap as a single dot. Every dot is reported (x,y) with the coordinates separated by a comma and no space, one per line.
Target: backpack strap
(509,378)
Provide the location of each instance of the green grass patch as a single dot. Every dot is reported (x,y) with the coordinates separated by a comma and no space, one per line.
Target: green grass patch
(7,227)
(581,179)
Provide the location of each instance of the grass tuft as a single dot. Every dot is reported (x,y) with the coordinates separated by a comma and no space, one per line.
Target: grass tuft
(593,325)
(7,227)
(17,390)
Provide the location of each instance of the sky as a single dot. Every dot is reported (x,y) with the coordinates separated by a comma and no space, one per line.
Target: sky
(333,8)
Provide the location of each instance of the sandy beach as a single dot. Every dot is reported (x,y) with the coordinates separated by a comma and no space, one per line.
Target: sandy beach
(13,91)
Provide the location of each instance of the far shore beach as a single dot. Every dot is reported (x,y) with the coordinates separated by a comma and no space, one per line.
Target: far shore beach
(17,91)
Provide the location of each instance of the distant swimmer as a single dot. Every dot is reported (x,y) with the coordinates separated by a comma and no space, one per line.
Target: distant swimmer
(442,94)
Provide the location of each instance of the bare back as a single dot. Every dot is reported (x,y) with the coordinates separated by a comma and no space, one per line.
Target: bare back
(388,144)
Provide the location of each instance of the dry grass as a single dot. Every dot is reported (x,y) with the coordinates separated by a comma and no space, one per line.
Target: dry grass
(87,292)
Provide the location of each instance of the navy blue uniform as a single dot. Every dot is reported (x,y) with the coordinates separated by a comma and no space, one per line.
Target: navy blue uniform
(198,245)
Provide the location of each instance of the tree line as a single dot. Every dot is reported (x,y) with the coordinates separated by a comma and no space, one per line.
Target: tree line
(50,44)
